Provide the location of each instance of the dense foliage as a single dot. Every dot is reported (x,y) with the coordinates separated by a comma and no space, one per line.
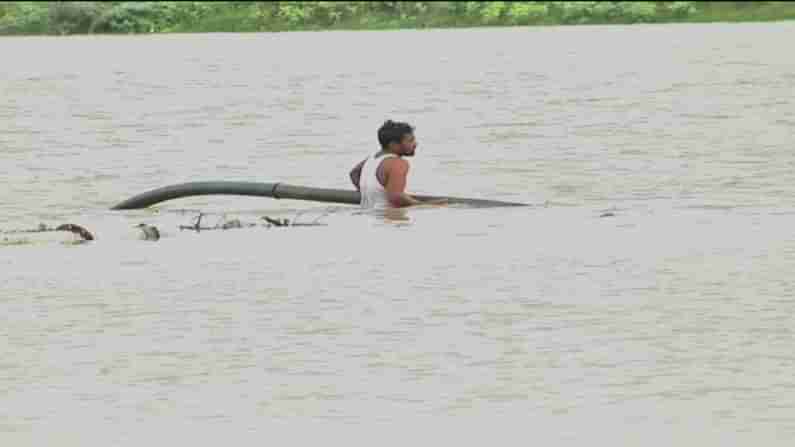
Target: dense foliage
(172,16)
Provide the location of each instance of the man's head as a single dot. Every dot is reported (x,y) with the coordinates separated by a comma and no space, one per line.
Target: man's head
(397,138)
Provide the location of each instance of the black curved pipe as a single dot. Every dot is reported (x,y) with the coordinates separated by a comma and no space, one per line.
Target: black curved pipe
(276,191)
(196,189)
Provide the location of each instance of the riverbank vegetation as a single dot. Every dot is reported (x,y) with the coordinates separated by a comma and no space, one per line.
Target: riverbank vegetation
(62,18)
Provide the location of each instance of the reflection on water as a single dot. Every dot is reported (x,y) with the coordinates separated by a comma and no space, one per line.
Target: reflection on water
(648,297)
(394,215)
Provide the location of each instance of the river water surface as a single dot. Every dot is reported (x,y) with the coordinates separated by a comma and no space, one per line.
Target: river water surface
(670,321)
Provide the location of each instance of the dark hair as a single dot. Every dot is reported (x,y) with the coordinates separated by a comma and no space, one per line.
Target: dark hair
(393,132)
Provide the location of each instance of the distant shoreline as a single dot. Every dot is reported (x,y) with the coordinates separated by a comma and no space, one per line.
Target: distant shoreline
(120,18)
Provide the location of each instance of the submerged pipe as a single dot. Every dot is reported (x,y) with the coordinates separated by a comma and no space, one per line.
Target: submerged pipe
(276,191)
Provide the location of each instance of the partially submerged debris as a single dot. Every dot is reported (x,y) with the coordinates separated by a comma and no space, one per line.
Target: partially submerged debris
(276,222)
(76,229)
(43,233)
(225,224)
(149,232)
(221,225)
(234,223)
(70,233)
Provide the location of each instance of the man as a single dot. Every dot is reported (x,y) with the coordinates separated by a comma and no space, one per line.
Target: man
(381,177)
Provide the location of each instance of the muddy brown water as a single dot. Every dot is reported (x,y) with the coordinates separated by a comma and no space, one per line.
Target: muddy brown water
(670,321)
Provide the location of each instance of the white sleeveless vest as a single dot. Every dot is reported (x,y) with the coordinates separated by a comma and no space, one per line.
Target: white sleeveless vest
(372,192)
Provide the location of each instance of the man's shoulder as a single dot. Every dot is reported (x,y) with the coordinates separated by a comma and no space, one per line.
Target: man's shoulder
(398,163)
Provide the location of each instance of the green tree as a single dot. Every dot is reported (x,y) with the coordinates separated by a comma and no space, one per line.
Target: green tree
(524,13)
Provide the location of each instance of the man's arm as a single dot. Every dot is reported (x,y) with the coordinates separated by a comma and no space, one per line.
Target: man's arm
(396,171)
(356,174)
